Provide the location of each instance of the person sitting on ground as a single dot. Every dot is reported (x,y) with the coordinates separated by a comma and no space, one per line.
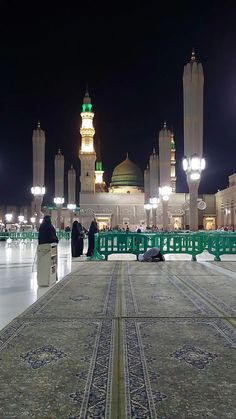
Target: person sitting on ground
(151,255)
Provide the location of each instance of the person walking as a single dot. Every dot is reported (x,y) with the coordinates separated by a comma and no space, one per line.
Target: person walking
(77,239)
(151,255)
(47,233)
(93,229)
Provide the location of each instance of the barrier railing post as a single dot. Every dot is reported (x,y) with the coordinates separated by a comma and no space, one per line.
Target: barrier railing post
(96,254)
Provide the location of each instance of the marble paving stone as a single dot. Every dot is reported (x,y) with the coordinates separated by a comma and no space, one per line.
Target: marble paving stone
(229,265)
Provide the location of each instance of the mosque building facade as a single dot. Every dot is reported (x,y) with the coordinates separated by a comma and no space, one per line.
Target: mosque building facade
(126,201)
(132,199)
(135,199)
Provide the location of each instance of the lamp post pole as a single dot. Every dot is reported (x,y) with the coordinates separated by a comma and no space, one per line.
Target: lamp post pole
(193,209)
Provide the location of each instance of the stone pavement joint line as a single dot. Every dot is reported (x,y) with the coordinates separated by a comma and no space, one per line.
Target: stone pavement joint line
(122,339)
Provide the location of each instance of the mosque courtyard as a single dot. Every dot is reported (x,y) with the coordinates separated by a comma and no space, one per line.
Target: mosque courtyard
(117,339)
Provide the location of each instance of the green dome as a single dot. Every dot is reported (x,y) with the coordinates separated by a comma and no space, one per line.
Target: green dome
(127,173)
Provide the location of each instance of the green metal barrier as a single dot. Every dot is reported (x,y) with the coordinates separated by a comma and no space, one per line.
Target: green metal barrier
(136,243)
(216,243)
(63,235)
(30,235)
(20,235)
(222,243)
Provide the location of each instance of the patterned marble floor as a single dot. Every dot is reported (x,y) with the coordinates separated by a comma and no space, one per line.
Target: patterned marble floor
(123,339)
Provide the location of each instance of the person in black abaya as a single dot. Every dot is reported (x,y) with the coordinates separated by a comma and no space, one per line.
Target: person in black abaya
(47,233)
(77,239)
(93,229)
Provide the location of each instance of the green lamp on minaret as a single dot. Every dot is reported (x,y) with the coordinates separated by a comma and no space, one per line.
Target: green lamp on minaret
(87,105)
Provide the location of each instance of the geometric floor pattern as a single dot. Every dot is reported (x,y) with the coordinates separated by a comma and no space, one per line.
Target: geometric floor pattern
(123,339)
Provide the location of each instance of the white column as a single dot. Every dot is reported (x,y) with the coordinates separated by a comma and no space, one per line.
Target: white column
(193,209)
(193,164)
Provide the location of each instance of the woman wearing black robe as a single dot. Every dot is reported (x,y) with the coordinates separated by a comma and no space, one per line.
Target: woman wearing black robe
(77,239)
(93,229)
(47,233)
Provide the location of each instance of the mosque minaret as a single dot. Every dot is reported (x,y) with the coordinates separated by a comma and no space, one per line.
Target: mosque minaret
(173,163)
(165,189)
(59,184)
(71,204)
(193,163)
(87,153)
(38,188)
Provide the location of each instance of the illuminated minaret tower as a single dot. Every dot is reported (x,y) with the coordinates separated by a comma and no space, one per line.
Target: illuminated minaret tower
(147,205)
(59,185)
(99,182)
(71,188)
(193,163)
(87,152)
(71,192)
(165,171)
(38,189)
(154,184)
(173,163)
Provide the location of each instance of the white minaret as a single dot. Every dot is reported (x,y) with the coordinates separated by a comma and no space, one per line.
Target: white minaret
(173,163)
(100,185)
(71,187)
(71,192)
(147,205)
(38,188)
(87,152)
(59,185)
(193,163)
(154,184)
(165,171)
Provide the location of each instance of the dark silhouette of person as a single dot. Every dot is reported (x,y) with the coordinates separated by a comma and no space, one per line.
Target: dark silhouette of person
(93,229)
(138,240)
(47,233)
(77,239)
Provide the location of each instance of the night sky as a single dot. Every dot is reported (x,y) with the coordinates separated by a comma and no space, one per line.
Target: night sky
(132,58)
